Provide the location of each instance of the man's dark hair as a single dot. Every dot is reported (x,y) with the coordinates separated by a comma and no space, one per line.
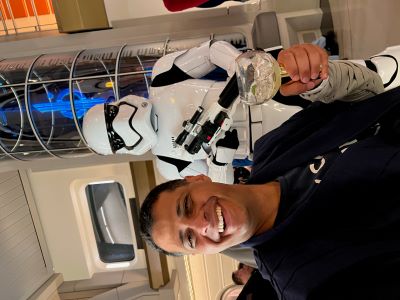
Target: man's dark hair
(146,218)
(235,277)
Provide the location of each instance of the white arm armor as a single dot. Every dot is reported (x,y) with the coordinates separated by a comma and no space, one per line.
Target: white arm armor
(199,61)
(164,64)
(223,174)
(170,171)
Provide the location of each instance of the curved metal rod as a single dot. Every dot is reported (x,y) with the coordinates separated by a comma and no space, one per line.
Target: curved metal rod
(71,101)
(165,46)
(21,115)
(21,120)
(116,91)
(5,150)
(28,111)
(108,73)
(52,112)
(144,75)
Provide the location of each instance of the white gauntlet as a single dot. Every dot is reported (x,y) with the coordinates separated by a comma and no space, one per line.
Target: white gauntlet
(220,173)
(220,161)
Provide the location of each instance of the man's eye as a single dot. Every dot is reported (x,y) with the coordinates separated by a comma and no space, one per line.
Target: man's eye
(190,239)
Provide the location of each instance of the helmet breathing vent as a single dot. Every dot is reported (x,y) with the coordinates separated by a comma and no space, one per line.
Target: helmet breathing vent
(173,142)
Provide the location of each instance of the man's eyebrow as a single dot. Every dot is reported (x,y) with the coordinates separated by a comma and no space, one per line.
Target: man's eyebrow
(178,207)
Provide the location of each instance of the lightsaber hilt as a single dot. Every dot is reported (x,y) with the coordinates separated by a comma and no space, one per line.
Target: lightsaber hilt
(207,133)
(188,126)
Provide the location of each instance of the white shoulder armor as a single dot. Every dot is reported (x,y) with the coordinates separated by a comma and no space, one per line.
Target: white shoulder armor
(164,64)
(223,55)
(196,61)
(201,60)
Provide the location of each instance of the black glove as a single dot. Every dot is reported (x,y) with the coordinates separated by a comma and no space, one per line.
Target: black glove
(230,140)
(223,153)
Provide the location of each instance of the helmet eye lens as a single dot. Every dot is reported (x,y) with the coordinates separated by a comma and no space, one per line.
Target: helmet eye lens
(116,141)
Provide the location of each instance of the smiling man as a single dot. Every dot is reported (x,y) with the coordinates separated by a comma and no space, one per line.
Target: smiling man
(321,208)
(197,215)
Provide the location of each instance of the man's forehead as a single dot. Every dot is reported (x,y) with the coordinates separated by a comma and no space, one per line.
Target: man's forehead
(165,227)
(165,235)
(167,201)
(171,194)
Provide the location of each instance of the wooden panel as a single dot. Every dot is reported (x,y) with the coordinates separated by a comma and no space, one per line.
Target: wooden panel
(211,274)
(199,280)
(22,266)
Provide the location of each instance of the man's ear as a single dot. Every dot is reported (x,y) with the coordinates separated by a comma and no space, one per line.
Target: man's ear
(200,177)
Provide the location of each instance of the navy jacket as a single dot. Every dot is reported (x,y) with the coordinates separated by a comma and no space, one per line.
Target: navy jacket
(344,241)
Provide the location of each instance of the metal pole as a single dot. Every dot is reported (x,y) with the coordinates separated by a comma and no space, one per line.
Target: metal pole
(12,16)
(2,18)
(49,7)
(26,10)
(36,14)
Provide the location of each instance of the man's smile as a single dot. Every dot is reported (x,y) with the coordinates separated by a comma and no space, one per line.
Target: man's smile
(221,224)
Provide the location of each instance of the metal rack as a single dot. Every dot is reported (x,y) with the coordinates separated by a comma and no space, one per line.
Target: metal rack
(43,98)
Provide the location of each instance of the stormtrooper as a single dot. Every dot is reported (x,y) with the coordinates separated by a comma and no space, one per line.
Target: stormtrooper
(174,122)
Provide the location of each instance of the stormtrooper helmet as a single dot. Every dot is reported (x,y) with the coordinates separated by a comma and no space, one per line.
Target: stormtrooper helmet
(121,127)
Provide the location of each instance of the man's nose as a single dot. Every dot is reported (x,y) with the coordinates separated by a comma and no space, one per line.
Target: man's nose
(199,223)
(203,225)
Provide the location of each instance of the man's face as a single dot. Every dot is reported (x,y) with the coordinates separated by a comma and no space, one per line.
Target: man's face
(201,217)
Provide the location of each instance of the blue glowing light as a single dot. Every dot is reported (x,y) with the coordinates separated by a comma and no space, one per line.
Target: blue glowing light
(60,103)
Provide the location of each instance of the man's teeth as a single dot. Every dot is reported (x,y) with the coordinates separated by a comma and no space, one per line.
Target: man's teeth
(221,224)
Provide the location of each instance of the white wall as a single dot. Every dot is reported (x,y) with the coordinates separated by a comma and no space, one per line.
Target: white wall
(128,9)
(365,27)
(132,9)
(65,232)
(295,5)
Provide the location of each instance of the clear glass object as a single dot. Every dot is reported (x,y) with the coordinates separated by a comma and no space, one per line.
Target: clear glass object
(259,76)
